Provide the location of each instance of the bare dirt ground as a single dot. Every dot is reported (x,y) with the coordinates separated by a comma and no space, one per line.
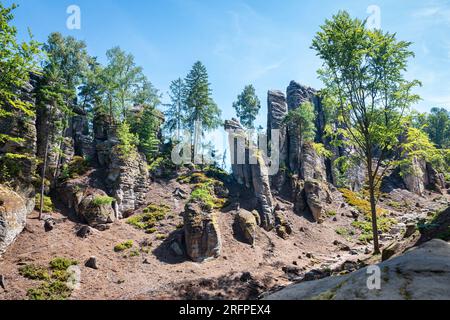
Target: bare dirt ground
(241,272)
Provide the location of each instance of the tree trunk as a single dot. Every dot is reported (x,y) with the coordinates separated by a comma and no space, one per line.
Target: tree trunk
(373,207)
(44,169)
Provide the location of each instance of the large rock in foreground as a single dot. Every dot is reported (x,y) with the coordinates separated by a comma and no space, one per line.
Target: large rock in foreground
(13,217)
(422,273)
(91,205)
(202,235)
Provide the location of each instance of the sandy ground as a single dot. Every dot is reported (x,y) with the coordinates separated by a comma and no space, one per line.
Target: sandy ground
(159,274)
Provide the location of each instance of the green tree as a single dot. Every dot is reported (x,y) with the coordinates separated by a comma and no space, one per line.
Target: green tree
(69,55)
(147,127)
(175,110)
(199,104)
(302,119)
(365,70)
(16,62)
(247,107)
(121,79)
(438,127)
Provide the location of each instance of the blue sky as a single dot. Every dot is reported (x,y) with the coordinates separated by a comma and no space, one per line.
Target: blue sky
(265,43)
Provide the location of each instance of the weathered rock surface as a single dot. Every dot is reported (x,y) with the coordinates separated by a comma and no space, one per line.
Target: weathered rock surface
(202,234)
(127,176)
(311,164)
(317,195)
(422,273)
(84,200)
(251,172)
(277,111)
(93,212)
(297,94)
(247,224)
(13,216)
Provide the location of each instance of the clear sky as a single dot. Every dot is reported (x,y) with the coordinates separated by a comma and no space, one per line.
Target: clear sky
(265,43)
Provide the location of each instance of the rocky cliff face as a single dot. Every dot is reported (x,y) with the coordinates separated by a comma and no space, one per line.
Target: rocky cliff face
(277,111)
(18,199)
(250,170)
(127,178)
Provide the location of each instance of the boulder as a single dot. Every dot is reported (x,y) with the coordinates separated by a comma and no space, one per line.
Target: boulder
(95,213)
(84,200)
(422,273)
(13,217)
(317,196)
(247,224)
(202,234)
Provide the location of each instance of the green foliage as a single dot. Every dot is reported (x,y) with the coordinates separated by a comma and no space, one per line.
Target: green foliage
(99,201)
(247,107)
(34,272)
(54,281)
(199,104)
(437,125)
(419,146)
(149,218)
(62,263)
(54,290)
(303,119)
(147,126)
(176,110)
(355,200)
(48,204)
(123,246)
(69,57)
(75,168)
(364,72)
(128,141)
(321,150)
(16,62)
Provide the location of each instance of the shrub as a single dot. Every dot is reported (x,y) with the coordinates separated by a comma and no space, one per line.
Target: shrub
(123,246)
(34,272)
(62,263)
(149,218)
(54,290)
(48,204)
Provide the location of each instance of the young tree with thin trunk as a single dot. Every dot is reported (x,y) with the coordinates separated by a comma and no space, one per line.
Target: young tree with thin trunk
(365,70)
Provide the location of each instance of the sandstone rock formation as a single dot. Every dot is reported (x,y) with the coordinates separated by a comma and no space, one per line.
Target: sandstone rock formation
(277,111)
(421,273)
(202,234)
(89,203)
(247,224)
(127,176)
(13,216)
(296,95)
(317,196)
(250,170)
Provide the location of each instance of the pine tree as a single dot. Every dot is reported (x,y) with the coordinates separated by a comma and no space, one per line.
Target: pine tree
(199,104)
(175,112)
(247,107)
(202,113)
